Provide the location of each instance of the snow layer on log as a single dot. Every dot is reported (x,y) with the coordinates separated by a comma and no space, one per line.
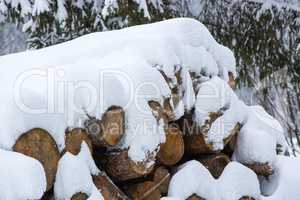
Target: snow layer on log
(21,177)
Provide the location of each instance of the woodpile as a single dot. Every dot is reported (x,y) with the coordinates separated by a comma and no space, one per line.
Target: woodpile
(121,177)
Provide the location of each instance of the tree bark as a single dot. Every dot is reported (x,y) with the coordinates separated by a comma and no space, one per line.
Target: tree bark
(39,144)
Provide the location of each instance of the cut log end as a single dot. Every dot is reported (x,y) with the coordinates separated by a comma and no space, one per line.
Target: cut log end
(73,140)
(80,196)
(215,164)
(122,168)
(109,131)
(38,143)
(172,150)
(194,197)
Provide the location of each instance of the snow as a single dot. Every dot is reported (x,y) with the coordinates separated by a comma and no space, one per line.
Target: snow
(21,177)
(235,182)
(88,78)
(74,175)
(238,181)
(284,183)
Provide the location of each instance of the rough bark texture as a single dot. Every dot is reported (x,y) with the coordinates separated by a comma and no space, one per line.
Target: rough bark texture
(39,144)
(109,131)
(122,168)
(108,189)
(173,149)
(215,164)
(164,112)
(73,140)
(147,190)
(261,169)
(80,196)
(162,178)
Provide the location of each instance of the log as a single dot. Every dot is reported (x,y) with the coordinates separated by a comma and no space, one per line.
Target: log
(172,150)
(80,196)
(215,163)
(108,189)
(194,197)
(109,131)
(144,191)
(122,168)
(162,178)
(194,140)
(73,140)
(39,144)
(261,169)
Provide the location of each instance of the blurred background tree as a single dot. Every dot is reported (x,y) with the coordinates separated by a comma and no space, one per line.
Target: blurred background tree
(264,35)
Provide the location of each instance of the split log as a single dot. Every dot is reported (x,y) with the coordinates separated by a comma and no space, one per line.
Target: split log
(108,189)
(73,140)
(261,169)
(194,197)
(194,140)
(110,130)
(39,144)
(172,150)
(80,196)
(147,190)
(215,164)
(122,168)
(162,178)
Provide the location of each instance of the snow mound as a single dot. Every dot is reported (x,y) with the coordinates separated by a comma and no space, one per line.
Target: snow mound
(21,177)
(235,182)
(200,182)
(284,183)
(74,175)
(62,83)
(238,181)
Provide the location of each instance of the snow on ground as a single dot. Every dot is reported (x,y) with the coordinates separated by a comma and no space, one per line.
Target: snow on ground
(74,175)
(235,182)
(22,177)
(98,70)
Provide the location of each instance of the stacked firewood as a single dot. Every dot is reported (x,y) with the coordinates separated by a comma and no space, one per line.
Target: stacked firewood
(123,178)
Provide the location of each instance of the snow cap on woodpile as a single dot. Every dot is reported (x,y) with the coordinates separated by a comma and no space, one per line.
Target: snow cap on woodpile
(136,53)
